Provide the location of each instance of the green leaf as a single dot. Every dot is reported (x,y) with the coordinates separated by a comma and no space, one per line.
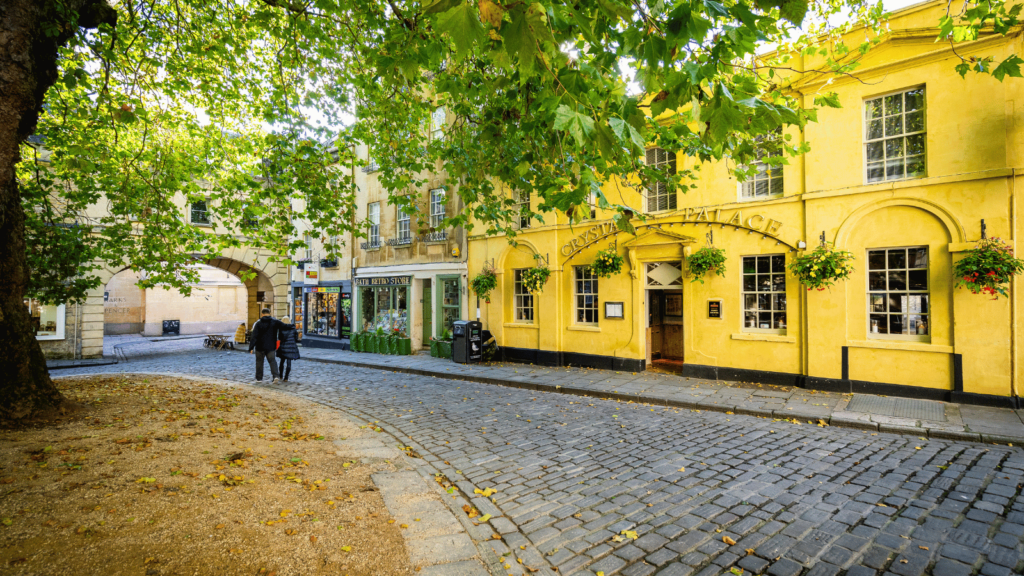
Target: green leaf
(436,6)
(626,132)
(579,125)
(463,26)
(1008,67)
(830,99)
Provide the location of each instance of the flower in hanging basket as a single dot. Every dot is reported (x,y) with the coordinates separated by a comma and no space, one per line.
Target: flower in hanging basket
(705,260)
(822,267)
(987,268)
(535,278)
(607,263)
(483,283)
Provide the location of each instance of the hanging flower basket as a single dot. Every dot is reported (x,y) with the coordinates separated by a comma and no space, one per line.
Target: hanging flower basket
(822,267)
(707,259)
(987,268)
(606,264)
(535,278)
(483,283)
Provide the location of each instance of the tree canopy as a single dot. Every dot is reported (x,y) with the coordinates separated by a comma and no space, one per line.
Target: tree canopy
(252,105)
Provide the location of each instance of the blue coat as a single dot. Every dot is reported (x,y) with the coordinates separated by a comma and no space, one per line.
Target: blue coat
(289,343)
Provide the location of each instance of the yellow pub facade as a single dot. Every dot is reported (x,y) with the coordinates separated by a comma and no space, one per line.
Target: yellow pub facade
(914,168)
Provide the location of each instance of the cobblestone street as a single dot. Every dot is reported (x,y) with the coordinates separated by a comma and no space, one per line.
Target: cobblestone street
(704,492)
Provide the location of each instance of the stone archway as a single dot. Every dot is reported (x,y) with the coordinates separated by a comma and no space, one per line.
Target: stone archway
(270,278)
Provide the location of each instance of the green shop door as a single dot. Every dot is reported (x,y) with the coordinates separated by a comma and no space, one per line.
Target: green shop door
(426,304)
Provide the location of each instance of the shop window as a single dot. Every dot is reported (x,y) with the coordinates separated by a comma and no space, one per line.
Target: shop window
(522,300)
(404,230)
(767,181)
(894,136)
(385,308)
(200,214)
(47,319)
(764,294)
(586,295)
(451,305)
(660,196)
(373,216)
(322,314)
(523,209)
(898,293)
(437,212)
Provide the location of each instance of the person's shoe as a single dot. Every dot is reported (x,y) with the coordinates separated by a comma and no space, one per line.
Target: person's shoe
(276,380)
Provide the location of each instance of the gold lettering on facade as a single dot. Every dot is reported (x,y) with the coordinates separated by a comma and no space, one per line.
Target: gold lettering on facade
(689,213)
(750,222)
(718,215)
(772,229)
(703,215)
(736,219)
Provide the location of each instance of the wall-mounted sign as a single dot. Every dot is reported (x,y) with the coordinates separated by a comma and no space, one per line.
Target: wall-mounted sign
(384,281)
(312,273)
(613,309)
(324,289)
(714,308)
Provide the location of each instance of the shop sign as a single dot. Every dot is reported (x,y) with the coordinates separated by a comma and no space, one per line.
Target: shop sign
(324,289)
(714,308)
(384,281)
(755,222)
(312,272)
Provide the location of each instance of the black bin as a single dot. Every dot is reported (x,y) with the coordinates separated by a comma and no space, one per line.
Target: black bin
(467,341)
(172,327)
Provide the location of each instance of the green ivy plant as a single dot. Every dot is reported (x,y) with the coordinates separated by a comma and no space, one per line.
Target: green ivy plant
(607,263)
(535,278)
(822,267)
(707,259)
(987,268)
(483,283)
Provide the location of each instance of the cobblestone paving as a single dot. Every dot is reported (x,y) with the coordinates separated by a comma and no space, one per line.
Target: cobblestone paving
(573,473)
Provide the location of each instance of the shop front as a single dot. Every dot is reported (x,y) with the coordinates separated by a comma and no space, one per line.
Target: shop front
(326,315)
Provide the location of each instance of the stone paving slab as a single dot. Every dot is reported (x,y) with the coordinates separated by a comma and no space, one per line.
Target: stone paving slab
(894,415)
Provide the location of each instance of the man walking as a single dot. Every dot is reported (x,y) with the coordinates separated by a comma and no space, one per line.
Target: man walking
(264,341)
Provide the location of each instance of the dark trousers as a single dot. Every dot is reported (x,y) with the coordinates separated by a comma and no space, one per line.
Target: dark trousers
(284,368)
(272,357)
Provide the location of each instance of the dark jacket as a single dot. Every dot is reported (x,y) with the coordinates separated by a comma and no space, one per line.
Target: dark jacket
(289,342)
(264,334)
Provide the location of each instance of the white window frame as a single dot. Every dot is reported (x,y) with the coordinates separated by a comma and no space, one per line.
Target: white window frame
(308,240)
(205,210)
(437,124)
(404,226)
(774,308)
(523,203)
(60,321)
(907,292)
(661,189)
(373,217)
(438,200)
(523,311)
(585,284)
(882,142)
(770,176)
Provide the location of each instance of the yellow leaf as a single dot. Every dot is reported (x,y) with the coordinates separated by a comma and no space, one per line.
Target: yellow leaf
(682,469)
(600,573)
(728,540)
(490,13)
(485,517)
(925,547)
(346,548)
(404,525)
(219,526)
(630,534)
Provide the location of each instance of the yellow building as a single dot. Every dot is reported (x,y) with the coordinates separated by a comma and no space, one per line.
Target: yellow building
(903,176)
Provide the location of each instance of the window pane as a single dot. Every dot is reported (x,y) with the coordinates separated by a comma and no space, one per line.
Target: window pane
(750,320)
(893,104)
(896,302)
(918,279)
(764,320)
(917,258)
(915,122)
(918,325)
(764,283)
(779,263)
(764,301)
(777,182)
(750,283)
(750,301)
(764,264)
(915,99)
(873,108)
(877,303)
(917,303)
(894,148)
(876,280)
(779,283)
(915,166)
(761,188)
(896,324)
(749,265)
(875,129)
(874,151)
(779,302)
(876,260)
(894,169)
(894,125)
(780,321)
(897,280)
(897,258)
(879,324)
(876,172)
(915,144)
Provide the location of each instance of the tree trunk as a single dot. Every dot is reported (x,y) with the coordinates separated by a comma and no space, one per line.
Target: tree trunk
(28,67)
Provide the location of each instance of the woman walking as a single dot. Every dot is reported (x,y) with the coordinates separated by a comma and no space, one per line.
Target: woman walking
(289,349)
